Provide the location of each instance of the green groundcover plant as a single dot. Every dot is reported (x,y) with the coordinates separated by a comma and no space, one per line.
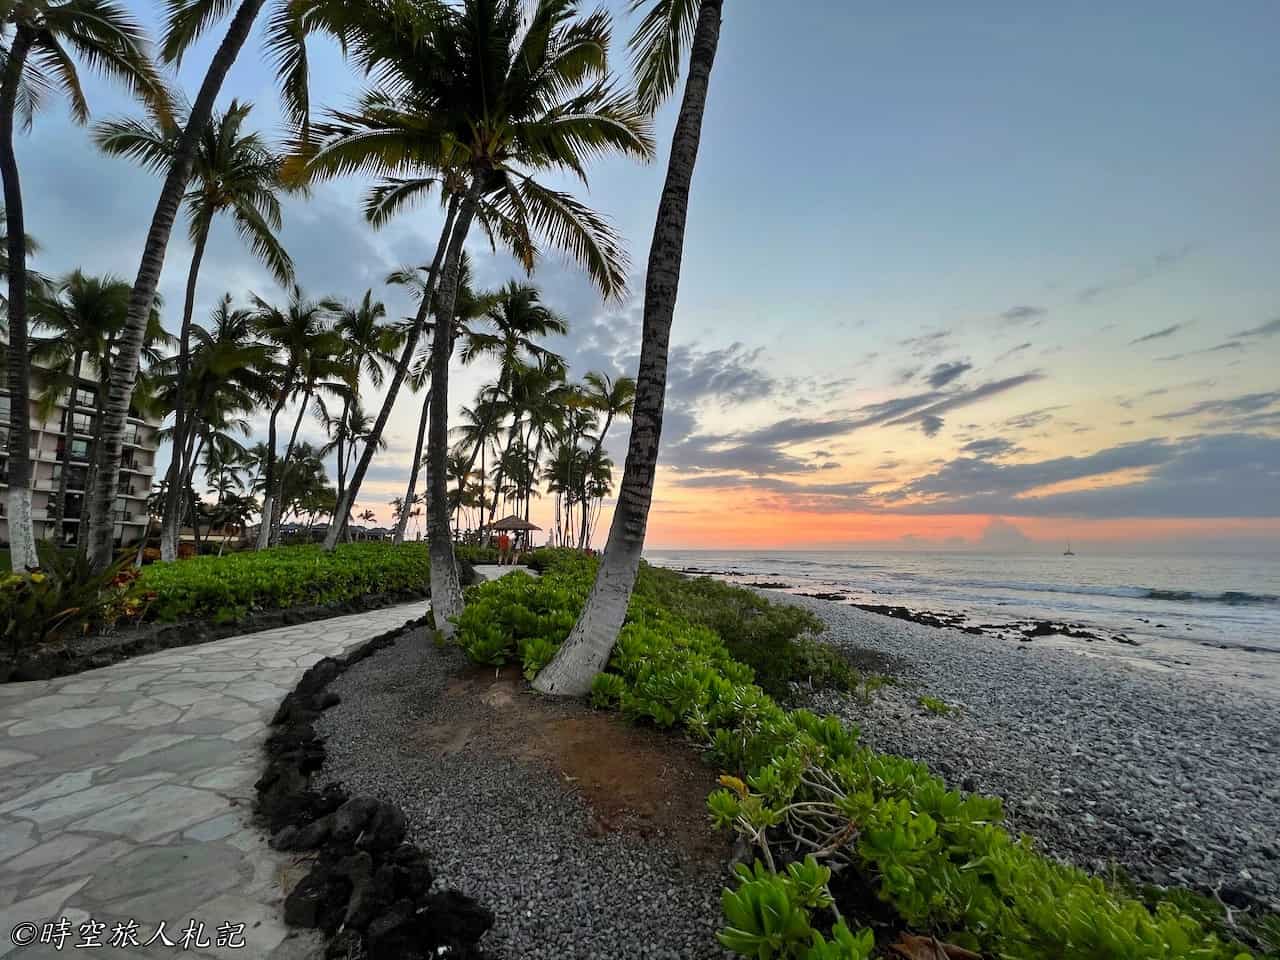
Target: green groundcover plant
(813,799)
(224,589)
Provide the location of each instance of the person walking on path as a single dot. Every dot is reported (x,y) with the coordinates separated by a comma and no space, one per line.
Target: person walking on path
(504,549)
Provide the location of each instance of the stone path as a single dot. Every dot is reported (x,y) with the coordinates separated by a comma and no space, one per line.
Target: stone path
(126,793)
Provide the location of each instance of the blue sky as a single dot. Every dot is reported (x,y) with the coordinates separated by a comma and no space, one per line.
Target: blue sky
(1053,221)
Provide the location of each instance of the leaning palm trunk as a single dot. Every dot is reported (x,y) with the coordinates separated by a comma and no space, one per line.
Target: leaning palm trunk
(411,490)
(170,522)
(446,590)
(344,506)
(125,371)
(22,531)
(586,652)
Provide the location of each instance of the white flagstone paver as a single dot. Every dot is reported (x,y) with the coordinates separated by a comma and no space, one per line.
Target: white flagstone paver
(126,793)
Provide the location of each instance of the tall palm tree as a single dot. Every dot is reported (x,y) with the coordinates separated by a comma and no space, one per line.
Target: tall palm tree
(76,318)
(468,306)
(487,98)
(229,374)
(296,331)
(370,347)
(39,44)
(234,172)
(658,46)
(287,30)
(612,398)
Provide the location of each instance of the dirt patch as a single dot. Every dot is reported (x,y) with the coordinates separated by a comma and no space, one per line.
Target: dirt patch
(634,779)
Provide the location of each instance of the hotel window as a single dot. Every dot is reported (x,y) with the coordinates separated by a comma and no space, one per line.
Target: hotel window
(79,450)
(82,423)
(85,398)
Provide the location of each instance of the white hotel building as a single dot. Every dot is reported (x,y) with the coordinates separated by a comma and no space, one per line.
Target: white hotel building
(72,421)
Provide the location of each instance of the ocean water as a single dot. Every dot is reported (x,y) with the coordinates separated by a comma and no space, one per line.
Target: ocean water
(1218,614)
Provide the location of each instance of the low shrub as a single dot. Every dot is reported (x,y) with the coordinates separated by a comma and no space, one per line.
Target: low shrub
(224,589)
(63,600)
(803,784)
(474,554)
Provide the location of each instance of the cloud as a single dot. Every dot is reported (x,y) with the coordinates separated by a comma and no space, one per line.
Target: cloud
(1268,329)
(1013,351)
(1159,334)
(926,345)
(1228,475)
(1000,534)
(1160,263)
(930,417)
(1231,407)
(944,373)
(1033,418)
(1022,314)
(990,448)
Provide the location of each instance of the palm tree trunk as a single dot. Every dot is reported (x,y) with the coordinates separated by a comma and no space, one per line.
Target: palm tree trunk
(144,287)
(269,471)
(446,591)
(22,531)
(64,467)
(172,505)
(402,371)
(586,652)
(285,464)
(402,522)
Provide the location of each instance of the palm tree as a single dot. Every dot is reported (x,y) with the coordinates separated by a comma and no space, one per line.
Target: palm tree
(39,40)
(306,345)
(484,97)
(229,374)
(613,398)
(658,44)
(232,172)
(288,28)
(370,347)
(468,307)
(77,317)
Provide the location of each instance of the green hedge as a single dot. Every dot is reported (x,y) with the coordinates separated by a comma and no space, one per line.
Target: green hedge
(224,589)
(940,858)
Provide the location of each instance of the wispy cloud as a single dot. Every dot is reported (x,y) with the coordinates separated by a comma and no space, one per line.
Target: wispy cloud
(1159,334)
(1158,264)
(1229,407)
(1023,314)
(1268,329)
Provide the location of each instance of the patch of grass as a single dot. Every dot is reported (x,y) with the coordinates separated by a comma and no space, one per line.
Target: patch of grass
(934,705)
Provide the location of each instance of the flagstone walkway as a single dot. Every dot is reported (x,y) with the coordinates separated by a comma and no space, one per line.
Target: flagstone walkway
(126,795)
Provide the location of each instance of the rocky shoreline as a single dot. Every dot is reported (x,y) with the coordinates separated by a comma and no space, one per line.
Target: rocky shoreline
(1104,763)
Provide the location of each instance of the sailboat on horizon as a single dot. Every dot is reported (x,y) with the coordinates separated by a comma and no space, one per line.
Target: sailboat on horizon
(1068,552)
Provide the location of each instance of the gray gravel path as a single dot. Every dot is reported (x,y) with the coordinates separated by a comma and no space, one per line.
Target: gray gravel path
(1102,762)
(508,833)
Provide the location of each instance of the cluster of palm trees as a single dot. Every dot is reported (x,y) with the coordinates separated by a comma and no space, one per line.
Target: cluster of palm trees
(473,101)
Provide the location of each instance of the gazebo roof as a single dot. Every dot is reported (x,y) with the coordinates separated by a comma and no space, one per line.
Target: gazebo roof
(513,523)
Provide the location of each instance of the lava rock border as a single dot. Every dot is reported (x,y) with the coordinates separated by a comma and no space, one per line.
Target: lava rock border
(369,891)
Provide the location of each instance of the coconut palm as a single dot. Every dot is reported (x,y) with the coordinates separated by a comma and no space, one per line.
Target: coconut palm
(468,306)
(667,27)
(613,399)
(229,374)
(39,45)
(485,98)
(307,347)
(370,348)
(287,30)
(75,318)
(233,172)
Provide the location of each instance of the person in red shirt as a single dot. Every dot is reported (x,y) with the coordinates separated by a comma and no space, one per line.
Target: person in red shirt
(504,549)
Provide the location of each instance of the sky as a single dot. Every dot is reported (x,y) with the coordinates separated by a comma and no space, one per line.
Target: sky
(991,275)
